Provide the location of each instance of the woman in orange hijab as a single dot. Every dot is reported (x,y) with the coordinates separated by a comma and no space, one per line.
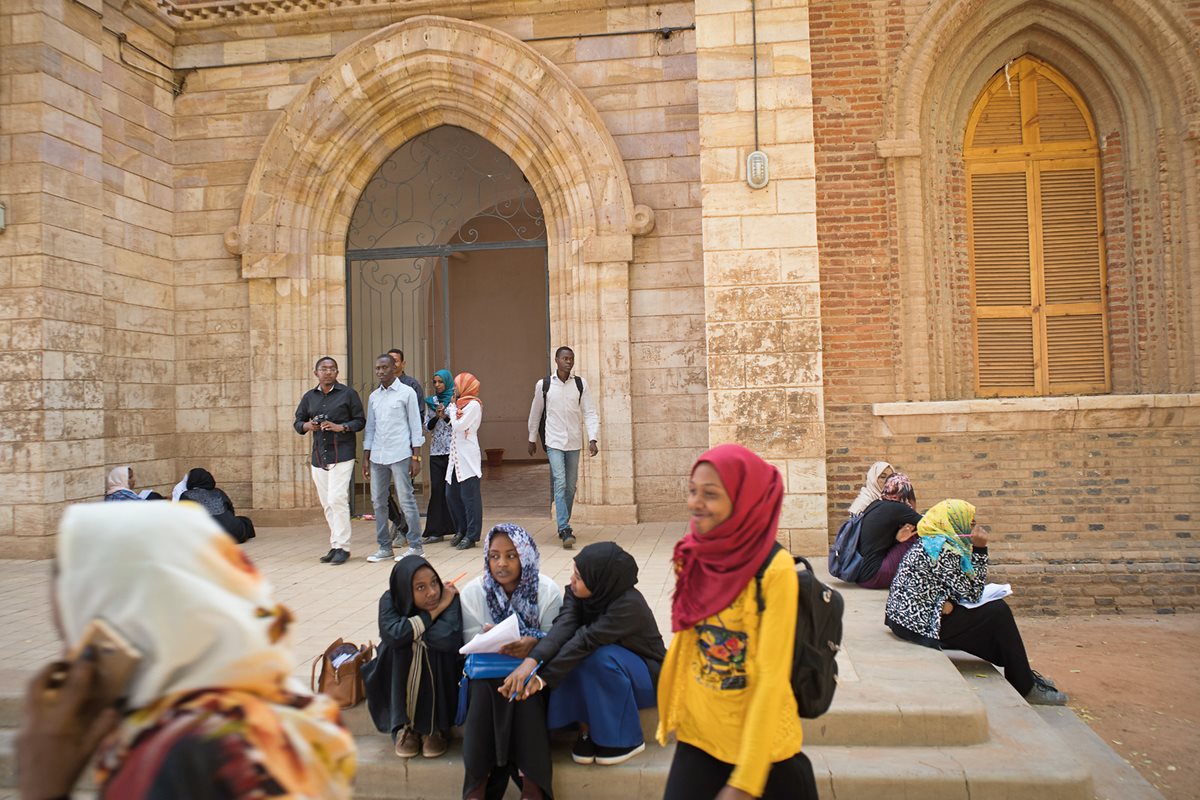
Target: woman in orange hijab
(466,467)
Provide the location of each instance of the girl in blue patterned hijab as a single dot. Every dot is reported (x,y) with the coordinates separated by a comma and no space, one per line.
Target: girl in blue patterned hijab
(443,397)
(524,599)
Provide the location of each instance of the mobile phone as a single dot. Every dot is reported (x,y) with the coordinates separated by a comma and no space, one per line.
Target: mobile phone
(116,661)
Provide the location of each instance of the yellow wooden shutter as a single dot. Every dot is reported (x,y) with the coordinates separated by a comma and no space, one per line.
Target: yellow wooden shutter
(1035,237)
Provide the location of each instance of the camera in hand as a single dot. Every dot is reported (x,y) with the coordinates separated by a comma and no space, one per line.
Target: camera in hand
(319,418)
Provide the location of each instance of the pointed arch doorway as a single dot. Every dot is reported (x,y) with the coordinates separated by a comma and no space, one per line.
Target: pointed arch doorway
(446,260)
(374,96)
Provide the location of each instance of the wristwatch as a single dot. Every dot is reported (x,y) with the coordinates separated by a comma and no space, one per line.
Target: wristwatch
(417,459)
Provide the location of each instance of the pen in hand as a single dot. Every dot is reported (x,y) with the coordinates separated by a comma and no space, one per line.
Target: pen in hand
(528,678)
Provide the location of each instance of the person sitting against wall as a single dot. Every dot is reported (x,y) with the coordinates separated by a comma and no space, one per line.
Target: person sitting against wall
(947,568)
(889,528)
(202,489)
(119,485)
(503,738)
(211,710)
(412,683)
(601,657)
(872,487)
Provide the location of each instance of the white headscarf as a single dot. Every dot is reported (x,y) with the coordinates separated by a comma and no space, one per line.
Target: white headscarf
(870,491)
(118,478)
(179,489)
(173,583)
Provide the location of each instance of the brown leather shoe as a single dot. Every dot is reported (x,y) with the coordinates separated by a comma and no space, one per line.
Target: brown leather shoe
(408,744)
(434,745)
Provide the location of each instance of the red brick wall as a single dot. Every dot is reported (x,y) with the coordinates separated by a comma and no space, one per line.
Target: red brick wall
(1081,520)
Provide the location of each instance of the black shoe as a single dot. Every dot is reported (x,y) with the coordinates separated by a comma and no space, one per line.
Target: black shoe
(568,538)
(432,539)
(584,750)
(325,559)
(340,557)
(457,540)
(465,544)
(615,755)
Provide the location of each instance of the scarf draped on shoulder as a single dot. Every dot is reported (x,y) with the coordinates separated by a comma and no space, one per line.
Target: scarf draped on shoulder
(713,569)
(466,386)
(169,580)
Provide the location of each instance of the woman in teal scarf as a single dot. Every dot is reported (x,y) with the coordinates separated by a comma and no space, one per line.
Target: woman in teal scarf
(438,522)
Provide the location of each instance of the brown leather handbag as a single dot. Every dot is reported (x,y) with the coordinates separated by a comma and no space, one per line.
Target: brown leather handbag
(341,672)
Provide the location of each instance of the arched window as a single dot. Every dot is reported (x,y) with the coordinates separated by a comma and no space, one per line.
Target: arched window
(1036,237)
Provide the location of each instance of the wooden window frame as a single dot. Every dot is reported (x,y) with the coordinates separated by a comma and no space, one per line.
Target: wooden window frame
(1034,158)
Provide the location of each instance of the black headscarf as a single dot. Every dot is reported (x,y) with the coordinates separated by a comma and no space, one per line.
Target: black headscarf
(200,478)
(608,572)
(400,584)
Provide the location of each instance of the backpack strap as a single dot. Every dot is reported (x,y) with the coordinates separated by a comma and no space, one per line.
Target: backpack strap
(758,576)
(579,386)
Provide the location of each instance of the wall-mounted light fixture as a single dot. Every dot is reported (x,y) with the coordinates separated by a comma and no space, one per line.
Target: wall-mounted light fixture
(758,169)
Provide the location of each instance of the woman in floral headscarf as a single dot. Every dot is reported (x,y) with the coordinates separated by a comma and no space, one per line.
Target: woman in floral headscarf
(502,737)
(947,568)
(466,464)
(210,711)
(889,528)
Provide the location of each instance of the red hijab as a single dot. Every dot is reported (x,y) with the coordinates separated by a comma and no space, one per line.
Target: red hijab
(466,386)
(712,570)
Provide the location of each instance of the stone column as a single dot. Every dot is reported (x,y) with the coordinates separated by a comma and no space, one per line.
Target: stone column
(601,329)
(762,298)
(51,268)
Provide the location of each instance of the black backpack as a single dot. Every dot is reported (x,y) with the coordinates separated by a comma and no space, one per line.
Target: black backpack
(845,562)
(818,638)
(546,391)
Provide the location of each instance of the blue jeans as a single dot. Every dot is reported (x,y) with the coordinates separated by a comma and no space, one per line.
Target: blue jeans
(381,476)
(466,506)
(564,473)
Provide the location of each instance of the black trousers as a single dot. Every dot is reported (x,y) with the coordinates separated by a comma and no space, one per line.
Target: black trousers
(990,632)
(695,775)
(438,521)
(500,738)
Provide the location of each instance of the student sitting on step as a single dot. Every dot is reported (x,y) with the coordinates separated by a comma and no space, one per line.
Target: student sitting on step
(412,683)
(889,528)
(949,567)
(601,657)
(505,735)
(725,688)
(209,710)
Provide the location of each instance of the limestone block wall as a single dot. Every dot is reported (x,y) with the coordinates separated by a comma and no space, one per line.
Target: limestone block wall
(1093,506)
(86,263)
(239,78)
(762,297)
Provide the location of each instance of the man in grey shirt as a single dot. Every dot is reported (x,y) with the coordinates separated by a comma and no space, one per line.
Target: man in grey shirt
(391,455)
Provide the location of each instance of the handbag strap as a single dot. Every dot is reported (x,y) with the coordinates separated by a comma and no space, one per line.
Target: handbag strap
(312,678)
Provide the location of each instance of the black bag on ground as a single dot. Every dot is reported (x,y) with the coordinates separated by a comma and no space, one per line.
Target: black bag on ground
(818,637)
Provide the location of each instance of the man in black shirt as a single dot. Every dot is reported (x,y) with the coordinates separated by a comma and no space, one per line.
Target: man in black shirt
(332,412)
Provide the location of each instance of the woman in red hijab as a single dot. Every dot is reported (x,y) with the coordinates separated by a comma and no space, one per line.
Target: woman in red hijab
(725,688)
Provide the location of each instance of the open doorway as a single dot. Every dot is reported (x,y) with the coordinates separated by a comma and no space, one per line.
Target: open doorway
(446,260)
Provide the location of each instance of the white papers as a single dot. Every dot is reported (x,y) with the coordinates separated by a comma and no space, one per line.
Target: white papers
(491,641)
(993,591)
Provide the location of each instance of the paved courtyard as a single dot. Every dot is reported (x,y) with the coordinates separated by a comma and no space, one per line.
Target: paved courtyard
(331,601)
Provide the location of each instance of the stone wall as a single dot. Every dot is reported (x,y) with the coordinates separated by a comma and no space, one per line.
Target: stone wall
(88,318)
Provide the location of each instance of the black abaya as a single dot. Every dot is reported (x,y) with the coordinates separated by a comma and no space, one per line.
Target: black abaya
(386,677)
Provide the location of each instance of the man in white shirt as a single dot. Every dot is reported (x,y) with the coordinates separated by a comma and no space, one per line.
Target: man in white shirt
(561,406)
(391,455)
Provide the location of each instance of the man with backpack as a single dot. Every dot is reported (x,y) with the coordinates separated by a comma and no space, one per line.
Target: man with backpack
(562,405)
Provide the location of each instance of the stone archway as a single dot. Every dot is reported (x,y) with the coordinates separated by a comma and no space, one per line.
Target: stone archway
(1132,60)
(370,99)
